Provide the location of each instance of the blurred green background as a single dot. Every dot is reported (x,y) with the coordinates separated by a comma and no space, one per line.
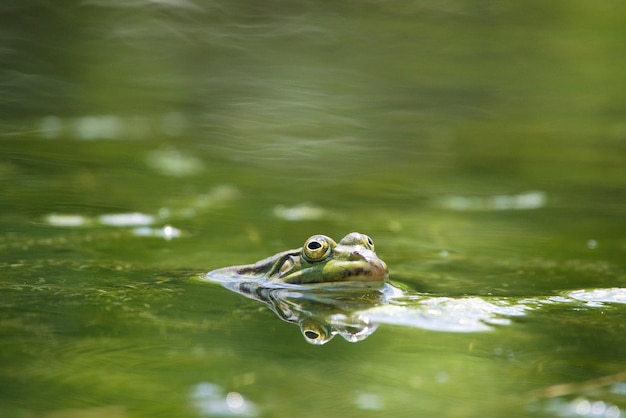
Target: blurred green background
(482,145)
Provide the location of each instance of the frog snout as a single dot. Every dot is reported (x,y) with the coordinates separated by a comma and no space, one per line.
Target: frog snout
(355,256)
(377,267)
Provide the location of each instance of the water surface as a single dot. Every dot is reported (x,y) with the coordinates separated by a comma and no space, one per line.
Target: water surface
(144,143)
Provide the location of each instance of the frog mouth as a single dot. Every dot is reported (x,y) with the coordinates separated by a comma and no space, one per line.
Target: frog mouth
(373,267)
(364,269)
(380,269)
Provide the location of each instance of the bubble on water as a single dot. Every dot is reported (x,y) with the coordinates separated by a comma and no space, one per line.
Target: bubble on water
(209,400)
(174,163)
(235,402)
(582,407)
(98,127)
(301,212)
(613,411)
(66,220)
(126,219)
(598,408)
(168,232)
(368,401)
(523,201)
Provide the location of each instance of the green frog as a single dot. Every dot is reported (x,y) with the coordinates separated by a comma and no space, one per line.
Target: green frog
(328,289)
(320,261)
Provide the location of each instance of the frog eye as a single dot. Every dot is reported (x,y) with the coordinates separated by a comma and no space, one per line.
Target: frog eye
(368,242)
(317,248)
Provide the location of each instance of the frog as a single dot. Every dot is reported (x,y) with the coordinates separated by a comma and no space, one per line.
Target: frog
(319,261)
(329,289)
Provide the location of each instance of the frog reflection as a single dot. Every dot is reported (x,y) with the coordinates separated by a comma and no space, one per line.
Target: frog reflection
(320,313)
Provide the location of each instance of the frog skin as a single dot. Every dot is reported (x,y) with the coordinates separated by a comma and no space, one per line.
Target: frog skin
(320,261)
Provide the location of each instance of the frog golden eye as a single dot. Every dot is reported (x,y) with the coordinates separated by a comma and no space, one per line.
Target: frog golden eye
(317,248)
(368,242)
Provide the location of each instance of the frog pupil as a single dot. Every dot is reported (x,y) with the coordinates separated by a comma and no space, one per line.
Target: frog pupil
(314,245)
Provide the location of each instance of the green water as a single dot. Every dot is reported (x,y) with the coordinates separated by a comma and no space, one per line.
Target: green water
(482,146)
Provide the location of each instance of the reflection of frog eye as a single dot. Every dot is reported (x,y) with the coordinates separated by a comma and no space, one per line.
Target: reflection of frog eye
(317,248)
(315,332)
(311,334)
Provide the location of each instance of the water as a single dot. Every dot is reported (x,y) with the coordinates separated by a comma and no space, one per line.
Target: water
(144,143)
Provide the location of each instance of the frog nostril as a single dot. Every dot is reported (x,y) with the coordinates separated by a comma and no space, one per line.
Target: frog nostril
(355,255)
